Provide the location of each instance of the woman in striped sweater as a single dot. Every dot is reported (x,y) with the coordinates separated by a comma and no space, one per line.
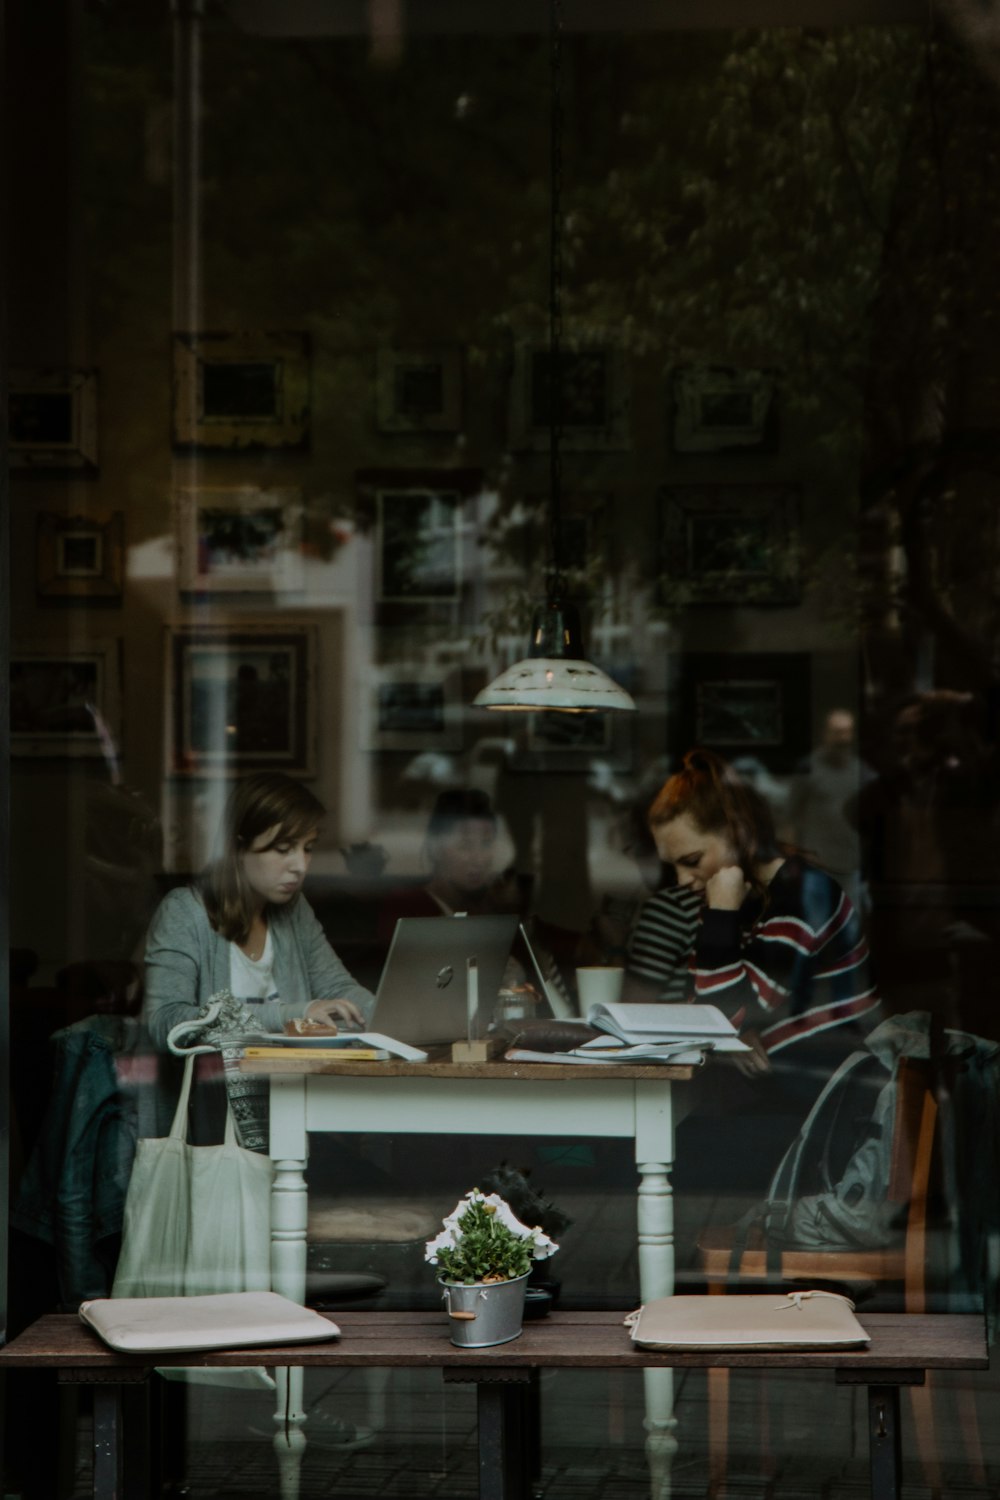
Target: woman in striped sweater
(779,947)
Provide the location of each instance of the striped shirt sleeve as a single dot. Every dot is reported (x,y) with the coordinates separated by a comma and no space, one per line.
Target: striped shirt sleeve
(663,940)
(801,968)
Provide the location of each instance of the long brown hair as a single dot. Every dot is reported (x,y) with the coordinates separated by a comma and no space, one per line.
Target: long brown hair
(256,805)
(718,801)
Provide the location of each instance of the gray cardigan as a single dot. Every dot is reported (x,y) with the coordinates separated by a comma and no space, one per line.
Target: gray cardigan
(187,962)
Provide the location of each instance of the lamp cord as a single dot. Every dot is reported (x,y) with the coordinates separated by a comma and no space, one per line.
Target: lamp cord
(555,290)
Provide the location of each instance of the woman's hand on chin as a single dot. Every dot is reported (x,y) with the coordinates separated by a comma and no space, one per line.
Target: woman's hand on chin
(329,1012)
(727,889)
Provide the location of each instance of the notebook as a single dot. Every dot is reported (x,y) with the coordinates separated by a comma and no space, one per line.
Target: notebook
(422,995)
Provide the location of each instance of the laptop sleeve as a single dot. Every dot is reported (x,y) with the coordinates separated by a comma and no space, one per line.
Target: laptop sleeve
(228,1320)
(796,1320)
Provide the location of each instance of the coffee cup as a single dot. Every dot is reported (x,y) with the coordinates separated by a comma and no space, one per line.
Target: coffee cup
(598,984)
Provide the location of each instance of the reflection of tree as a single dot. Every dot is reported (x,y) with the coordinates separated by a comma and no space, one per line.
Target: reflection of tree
(751,196)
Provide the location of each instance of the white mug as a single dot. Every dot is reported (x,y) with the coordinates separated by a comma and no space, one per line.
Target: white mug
(598,985)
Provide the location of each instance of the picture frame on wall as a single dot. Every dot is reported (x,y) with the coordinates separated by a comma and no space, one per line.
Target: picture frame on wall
(239,539)
(418,555)
(241,697)
(240,391)
(79,559)
(65,700)
(721,408)
(52,420)
(419,390)
(594,405)
(598,746)
(749,706)
(730,544)
(414,708)
(585,538)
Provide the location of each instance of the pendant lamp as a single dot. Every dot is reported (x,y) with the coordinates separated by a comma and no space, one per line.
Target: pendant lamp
(555,674)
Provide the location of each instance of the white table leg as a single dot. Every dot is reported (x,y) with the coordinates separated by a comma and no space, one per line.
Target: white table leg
(289,1218)
(654,1151)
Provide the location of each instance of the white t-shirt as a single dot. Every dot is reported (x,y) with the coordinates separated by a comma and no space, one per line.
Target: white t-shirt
(252,979)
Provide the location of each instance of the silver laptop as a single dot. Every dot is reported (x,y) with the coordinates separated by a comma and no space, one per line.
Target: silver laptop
(422,996)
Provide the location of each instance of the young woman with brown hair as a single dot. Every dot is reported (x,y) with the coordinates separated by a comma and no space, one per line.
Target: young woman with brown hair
(245,926)
(779,946)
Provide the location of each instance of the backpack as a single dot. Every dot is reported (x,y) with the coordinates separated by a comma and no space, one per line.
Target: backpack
(831,1189)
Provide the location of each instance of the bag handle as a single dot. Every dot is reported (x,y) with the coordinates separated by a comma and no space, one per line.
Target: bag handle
(179,1126)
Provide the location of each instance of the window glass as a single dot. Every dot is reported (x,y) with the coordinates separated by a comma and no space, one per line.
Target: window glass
(356,355)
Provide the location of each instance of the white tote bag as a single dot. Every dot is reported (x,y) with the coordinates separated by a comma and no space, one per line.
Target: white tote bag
(197,1220)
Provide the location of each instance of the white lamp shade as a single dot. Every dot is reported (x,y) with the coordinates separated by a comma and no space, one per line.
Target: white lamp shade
(541,682)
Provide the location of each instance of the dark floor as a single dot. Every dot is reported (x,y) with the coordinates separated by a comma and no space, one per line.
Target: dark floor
(807,1439)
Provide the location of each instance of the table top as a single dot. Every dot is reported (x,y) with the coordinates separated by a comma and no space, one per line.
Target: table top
(440,1065)
(900,1341)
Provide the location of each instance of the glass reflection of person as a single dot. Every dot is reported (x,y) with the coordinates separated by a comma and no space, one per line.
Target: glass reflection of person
(245,926)
(460,852)
(825,786)
(779,946)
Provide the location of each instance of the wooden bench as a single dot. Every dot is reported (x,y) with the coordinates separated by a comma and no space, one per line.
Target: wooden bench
(903,1347)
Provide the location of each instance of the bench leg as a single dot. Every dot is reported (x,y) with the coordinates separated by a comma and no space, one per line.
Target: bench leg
(884,1441)
(108,1442)
(503,1455)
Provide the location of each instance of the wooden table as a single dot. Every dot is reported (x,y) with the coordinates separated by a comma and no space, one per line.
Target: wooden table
(903,1347)
(496,1098)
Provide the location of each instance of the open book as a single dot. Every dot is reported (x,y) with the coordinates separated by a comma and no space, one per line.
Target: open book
(638,1025)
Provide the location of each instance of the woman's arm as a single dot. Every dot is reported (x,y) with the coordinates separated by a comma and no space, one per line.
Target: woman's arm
(328,978)
(760,977)
(173,964)
(661,944)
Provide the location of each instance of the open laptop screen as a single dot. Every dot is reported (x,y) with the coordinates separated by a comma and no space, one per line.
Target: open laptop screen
(422,995)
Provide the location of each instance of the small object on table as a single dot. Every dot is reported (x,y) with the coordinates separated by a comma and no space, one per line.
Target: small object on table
(482,1050)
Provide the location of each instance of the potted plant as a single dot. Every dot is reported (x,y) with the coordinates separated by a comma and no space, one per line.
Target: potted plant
(483,1256)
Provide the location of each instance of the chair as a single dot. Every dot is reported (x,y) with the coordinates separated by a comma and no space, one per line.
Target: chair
(914,1131)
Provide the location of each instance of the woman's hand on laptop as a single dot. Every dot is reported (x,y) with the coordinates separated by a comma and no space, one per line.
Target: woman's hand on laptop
(329,1012)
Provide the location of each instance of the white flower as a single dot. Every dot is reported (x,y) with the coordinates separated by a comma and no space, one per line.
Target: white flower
(450,1236)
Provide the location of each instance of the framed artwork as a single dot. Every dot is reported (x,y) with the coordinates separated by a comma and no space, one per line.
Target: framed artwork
(743,705)
(414,708)
(418,557)
(419,390)
(239,539)
(65,701)
(52,420)
(79,559)
(577,734)
(585,541)
(731,544)
(241,390)
(592,744)
(241,697)
(719,407)
(416,518)
(594,407)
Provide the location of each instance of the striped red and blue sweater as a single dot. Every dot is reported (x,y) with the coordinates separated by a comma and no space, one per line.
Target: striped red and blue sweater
(791,968)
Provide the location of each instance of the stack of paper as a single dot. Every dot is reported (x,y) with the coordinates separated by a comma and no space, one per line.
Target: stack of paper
(679,1034)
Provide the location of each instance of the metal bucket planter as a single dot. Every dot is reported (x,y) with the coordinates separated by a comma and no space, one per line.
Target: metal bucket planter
(488,1312)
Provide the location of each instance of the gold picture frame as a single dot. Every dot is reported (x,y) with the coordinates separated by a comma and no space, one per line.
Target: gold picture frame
(80,558)
(240,391)
(52,420)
